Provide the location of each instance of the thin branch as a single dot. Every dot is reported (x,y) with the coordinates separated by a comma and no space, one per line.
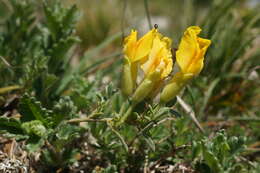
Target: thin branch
(147,13)
(119,136)
(9,88)
(89,118)
(5,62)
(79,120)
(125,116)
(123,19)
(150,125)
(190,112)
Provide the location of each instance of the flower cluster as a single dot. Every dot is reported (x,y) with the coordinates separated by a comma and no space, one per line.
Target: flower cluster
(152,54)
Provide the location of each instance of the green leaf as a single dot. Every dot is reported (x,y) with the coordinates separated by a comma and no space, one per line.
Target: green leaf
(34,143)
(219,152)
(208,94)
(237,144)
(97,50)
(68,132)
(202,168)
(49,157)
(150,142)
(70,19)
(52,20)
(109,169)
(89,54)
(63,109)
(30,109)
(212,161)
(59,53)
(35,127)
(69,156)
(196,149)
(11,127)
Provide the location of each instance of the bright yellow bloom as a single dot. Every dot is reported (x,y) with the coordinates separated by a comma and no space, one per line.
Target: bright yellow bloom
(134,52)
(189,57)
(160,57)
(156,67)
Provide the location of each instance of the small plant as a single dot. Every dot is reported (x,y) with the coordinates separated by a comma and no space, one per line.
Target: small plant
(87,116)
(220,154)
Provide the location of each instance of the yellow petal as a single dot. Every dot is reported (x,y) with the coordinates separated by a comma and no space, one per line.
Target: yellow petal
(144,45)
(195,29)
(188,48)
(129,45)
(203,44)
(190,55)
(196,66)
(168,67)
(160,57)
(153,59)
(197,63)
(167,41)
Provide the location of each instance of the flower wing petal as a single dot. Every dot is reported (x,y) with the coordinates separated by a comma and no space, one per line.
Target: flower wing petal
(144,45)
(129,45)
(188,48)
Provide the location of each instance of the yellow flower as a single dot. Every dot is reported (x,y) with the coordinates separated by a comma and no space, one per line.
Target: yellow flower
(134,52)
(160,57)
(189,57)
(156,66)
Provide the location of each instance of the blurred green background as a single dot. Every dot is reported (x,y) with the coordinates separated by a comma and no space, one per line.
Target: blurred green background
(103,17)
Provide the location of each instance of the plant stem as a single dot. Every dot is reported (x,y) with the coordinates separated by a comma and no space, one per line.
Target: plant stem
(147,13)
(191,113)
(126,115)
(123,19)
(78,120)
(89,118)
(122,109)
(120,137)
(9,88)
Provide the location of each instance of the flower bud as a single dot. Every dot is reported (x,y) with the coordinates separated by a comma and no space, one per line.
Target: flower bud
(128,77)
(171,90)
